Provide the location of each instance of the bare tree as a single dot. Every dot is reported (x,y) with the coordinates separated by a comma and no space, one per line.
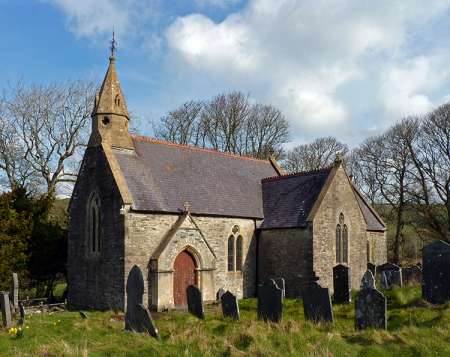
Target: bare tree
(313,156)
(43,131)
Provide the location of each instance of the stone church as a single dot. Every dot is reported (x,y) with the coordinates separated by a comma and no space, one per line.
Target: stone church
(186,215)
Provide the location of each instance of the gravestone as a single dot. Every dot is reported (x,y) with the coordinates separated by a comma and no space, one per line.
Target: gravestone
(281,285)
(137,317)
(230,305)
(370,310)
(373,268)
(15,295)
(383,281)
(6,308)
(270,302)
(219,294)
(21,314)
(341,284)
(436,272)
(195,301)
(317,303)
(412,275)
(392,273)
(368,280)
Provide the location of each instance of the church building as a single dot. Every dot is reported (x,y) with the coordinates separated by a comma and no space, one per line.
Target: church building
(186,215)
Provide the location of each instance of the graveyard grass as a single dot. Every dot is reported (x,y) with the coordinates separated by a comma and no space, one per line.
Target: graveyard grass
(415,328)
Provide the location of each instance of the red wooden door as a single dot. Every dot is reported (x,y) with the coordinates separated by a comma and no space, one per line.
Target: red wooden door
(184,275)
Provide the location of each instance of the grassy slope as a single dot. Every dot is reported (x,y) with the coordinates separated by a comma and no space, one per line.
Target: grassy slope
(415,329)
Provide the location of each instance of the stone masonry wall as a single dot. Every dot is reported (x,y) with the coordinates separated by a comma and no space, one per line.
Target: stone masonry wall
(378,245)
(339,199)
(285,253)
(96,281)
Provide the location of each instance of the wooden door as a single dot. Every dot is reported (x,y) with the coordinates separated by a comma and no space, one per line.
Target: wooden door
(184,275)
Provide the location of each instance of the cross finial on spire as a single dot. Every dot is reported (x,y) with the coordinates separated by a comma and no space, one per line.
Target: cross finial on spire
(113,46)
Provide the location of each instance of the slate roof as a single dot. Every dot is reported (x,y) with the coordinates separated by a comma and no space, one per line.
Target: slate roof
(288,199)
(373,223)
(162,177)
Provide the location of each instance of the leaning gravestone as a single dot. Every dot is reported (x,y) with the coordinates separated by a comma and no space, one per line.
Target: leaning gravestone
(281,284)
(370,309)
(137,317)
(317,303)
(368,280)
(230,305)
(15,294)
(195,301)
(219,294)
(270,302)
(392,273)
(436,272)
(373,268)
(6,308)
(412,275)
(341,284)
(21,314)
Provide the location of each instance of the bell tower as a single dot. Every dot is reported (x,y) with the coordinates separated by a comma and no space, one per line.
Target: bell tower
(110,118)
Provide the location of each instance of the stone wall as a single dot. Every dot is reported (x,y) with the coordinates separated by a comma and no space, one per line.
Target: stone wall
(378,246)
(286,253)
(96,281)
(339,198)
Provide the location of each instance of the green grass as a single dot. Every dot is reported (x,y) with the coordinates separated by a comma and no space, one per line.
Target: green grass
(415,329)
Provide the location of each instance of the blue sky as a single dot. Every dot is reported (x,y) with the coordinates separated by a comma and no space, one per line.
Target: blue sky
(343,68)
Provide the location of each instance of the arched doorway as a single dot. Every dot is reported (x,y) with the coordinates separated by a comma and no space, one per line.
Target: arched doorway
(184,275)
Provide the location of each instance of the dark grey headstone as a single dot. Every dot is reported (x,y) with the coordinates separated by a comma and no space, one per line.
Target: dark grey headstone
(392,275)
(436,272)
(219,294)
(412,275)
(281,285)
(230,306)
(6,308)
(370,310)
(270,302)
(341,284)
(195,301)
(15,294)
(137,317)
(21,314)
(317,303)
(373,268)
(368,280)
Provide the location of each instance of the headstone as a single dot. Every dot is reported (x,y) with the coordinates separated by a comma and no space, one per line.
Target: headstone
(270,302)
(412,275)
(368,280)
(15,294)
(219,294)
(370,310)
(317,303)
(195,301)
(6,308)
(392,273)
(137,317)
(21,314)
(436,272)
(383,281)
(373,268)
(281,285)
(341,284)
(230,305)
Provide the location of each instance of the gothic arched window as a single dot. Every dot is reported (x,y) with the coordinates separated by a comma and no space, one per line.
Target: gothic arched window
(94,218)
(345,244)
(338,243)
(117,100)
(239,251)
(231,253)
(341,240)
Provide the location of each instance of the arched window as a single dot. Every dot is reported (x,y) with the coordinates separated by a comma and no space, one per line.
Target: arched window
(338,243)
(117,100)
(341,240)
(94,224)
(239,251)
(345,244)
(231,253)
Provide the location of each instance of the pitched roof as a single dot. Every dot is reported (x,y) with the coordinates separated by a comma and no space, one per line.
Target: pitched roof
(374,222)
(162,177)
(289,199)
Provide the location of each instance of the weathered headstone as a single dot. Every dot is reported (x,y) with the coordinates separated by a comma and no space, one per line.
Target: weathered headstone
(436,272)
(317,303)
(392,273)
(21,314)
(412,275)
(383,281)
(370,309)
(341,284)
(373,268)
(368,280)
(219,294)
(230,306)
(5,308)
(270,302)
(137,317)
(15,295)
(281,285)
(195,301)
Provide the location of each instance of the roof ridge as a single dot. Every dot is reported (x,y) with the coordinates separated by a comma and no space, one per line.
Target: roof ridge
(297,174)
(151,140)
